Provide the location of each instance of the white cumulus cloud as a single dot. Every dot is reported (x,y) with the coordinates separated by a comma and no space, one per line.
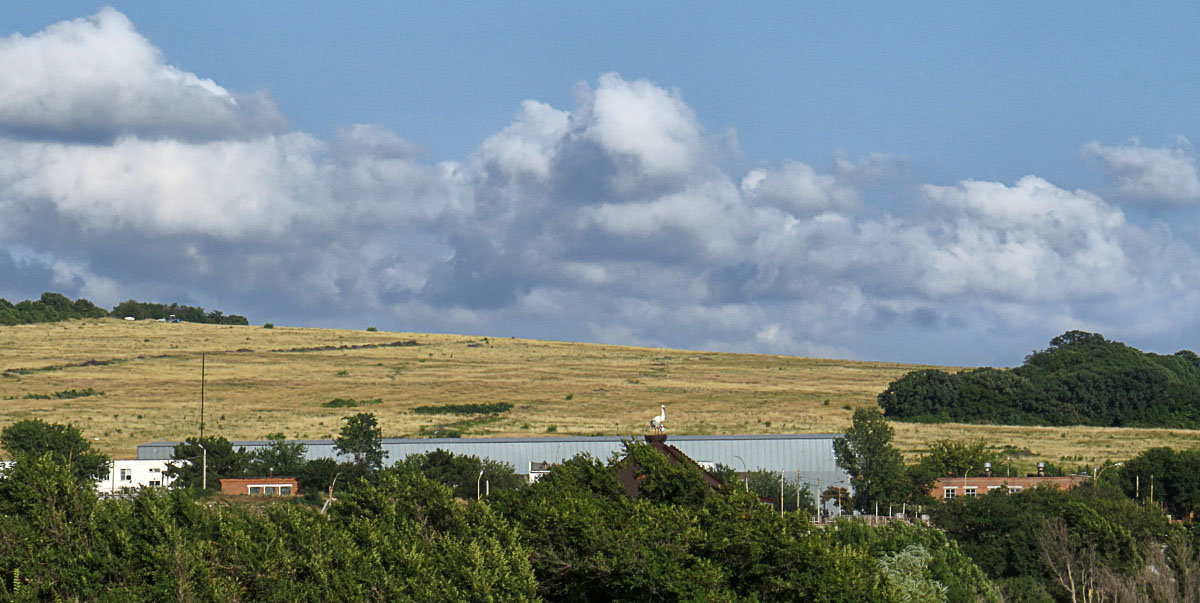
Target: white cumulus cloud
(1152,175)
(97,78)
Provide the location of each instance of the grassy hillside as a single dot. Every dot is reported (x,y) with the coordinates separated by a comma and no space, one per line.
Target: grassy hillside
(146,379)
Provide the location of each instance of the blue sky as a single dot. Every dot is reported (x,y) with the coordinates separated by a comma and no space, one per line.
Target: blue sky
(950,184)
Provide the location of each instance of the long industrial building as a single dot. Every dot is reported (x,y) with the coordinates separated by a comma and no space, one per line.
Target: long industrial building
(807,457)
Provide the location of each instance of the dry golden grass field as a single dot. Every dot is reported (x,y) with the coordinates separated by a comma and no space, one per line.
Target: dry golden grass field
(261,381)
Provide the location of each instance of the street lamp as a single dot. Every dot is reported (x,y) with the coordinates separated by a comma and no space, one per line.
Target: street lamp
(1097,471)
(745,473)
(477,480)
(204,467)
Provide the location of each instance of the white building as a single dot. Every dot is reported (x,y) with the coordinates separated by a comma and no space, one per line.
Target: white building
(131,474)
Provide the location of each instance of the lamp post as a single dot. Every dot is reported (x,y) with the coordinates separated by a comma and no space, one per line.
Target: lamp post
(1098,471)
(477,480)
(745,472)
(781,494)
(203,467)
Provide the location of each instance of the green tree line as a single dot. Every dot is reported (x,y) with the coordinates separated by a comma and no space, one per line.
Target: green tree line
(1081,379)
(415,531)
(53,307)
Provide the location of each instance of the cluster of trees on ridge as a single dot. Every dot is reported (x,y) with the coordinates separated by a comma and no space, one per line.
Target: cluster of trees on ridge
(53,307)
(414,531)
(1081,379)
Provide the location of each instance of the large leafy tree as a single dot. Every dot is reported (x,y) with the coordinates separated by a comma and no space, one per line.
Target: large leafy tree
(361,438)
(221,459)
(876,468)
(1171,477)
(33,438)
(280,457)
(462,473)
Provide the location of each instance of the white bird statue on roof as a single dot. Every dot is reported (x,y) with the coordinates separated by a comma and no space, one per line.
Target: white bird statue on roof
(657,422)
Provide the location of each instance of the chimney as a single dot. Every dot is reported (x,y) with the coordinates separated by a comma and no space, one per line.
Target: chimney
(1041,469)
(987,469)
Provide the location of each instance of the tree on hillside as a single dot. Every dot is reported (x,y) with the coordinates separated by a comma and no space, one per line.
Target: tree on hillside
(32,438)
(876,468)
(361,438)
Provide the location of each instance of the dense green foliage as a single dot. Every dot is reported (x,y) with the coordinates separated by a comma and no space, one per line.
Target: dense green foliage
(1165,477)
(1043,544)
(466,476)
(1081,379)
(53,307)
(33,438)
(404,533)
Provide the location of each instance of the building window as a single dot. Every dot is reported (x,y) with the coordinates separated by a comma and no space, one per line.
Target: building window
(256,489)
(969,491)
(285,490)
(126,475)
(270,490)
(991,488)
(948,493)
(1014,489)
(155,482)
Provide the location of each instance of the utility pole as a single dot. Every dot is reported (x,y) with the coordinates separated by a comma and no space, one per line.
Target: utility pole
(781,494)
(201,395)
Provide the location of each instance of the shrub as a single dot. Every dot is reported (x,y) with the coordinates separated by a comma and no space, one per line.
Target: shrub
(269,325)
(464,409)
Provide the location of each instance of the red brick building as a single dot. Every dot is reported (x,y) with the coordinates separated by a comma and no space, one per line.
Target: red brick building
(946,488)
(261,486)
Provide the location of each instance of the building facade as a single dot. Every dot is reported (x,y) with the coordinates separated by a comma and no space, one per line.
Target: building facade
(129,474)
(261,486)
(949,488)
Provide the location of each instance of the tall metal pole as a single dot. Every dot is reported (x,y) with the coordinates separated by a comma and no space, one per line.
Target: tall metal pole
(201,395)
(477,484)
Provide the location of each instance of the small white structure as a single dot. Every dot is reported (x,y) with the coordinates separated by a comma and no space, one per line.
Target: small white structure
(132,474)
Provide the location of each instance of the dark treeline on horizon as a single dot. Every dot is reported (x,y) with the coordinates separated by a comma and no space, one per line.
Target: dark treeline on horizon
(53,307)
(1081,379)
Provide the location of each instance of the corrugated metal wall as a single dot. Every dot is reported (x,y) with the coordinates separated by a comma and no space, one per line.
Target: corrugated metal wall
(805,456)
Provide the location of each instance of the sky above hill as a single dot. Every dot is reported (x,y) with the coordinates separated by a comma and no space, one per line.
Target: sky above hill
(945,184)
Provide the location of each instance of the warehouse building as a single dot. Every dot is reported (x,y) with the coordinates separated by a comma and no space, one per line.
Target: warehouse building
(805,457)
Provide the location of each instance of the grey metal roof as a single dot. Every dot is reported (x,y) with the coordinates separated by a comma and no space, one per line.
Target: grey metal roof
(803,456)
